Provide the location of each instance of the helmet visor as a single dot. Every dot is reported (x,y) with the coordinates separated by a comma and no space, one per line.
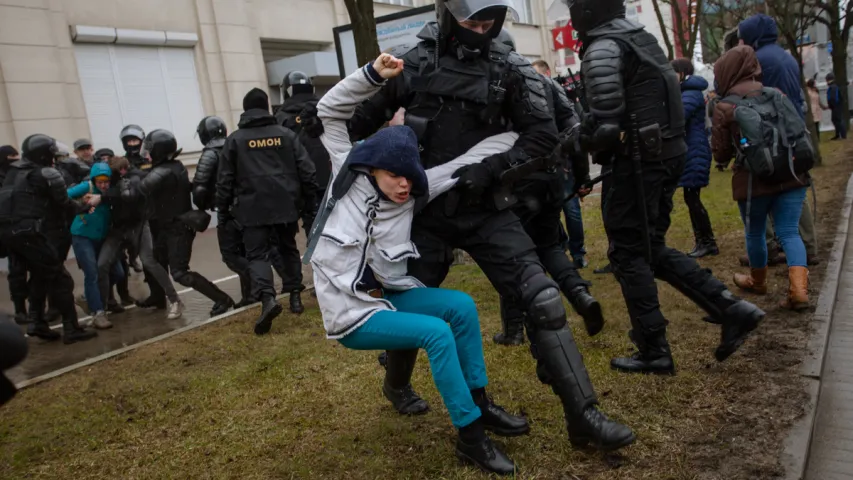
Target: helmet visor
(465,9)
(132,131)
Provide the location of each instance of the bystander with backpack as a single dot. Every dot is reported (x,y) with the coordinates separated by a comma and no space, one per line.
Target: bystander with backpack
(835,101)
(759,127)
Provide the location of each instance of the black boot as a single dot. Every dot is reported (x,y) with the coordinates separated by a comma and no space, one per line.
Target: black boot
(52,314)
(603,270)
(474,447)
(123,291)
(39,328)
(513,325)
(739,320)
(561,366)
(653,355)
(397,385)
(20,310)
(706,246)
(588,308)
(271,309)
(151,302)
(112,305)
(221,306)
(497,420)
(72,332)
(593,427)
(246,292)
(296,302)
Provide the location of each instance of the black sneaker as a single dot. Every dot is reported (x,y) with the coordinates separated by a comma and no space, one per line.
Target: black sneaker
(151,302)
(485,455)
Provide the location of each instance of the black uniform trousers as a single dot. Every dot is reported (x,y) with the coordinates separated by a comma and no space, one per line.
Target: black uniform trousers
(13,350)
(636,275)
(234,255)
(173,248)
(38,254)
(261,243)
(539,209)
(18,287)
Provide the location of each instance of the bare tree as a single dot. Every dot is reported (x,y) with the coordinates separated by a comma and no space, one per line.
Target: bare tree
(363,29)
(720,17)
(837,17)
(684,29)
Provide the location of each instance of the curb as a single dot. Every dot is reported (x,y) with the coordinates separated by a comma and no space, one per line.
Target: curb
(796,446)
(129,348)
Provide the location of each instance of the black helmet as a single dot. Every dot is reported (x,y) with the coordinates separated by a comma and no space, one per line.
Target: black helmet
(161,145)
(296,82)
(506,38)
(39,149)
(211,127)
(450,12)
(588,14)
(131,131)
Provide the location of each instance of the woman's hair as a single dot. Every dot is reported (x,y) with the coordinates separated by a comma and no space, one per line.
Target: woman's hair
(683,66)
(731,39)
(118,163)
(810,83)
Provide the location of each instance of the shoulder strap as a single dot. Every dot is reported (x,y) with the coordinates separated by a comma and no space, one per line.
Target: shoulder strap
(340,186)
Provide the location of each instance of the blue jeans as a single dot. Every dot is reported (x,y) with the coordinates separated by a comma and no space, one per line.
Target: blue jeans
(445,324)
(86,252)
(785,208)
(574,220)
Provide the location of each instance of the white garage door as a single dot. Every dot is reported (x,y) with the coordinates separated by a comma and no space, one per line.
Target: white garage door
(153,87)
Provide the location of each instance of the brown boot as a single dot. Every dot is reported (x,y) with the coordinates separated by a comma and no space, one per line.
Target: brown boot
(798,290)
(755,282)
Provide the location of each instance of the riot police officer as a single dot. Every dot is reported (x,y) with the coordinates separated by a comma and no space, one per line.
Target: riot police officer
(460,86)
(299,95)
(212,133)
(265,180)
(167,192)
(18,288)
(633,94)
(541,196)
(131,139)
(34,203)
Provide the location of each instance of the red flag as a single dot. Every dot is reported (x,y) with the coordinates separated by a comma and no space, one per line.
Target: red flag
(565,37)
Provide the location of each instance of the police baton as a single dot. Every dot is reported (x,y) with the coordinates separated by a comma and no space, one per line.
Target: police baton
(637,163)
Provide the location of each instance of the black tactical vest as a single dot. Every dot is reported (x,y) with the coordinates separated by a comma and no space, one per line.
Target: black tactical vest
(18,198)
(652,91)
(461,100)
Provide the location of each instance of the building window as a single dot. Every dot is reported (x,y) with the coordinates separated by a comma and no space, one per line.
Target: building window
(153,87)
(525,11)
(404,3)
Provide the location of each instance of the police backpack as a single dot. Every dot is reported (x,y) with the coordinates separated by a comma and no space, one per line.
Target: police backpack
(8,213)
(775,144)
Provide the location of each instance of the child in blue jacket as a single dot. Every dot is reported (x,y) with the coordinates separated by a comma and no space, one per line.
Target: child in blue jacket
(88,232)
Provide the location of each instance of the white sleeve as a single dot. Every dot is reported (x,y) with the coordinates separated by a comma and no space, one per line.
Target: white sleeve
(336,107)
(439,177)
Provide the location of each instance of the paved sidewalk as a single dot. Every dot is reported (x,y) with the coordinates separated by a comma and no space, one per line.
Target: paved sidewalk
(831,453)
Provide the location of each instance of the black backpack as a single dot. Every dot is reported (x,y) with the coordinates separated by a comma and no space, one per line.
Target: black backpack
(775,144)
(8,213)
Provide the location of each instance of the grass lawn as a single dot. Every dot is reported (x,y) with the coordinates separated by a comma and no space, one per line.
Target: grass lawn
(219,402)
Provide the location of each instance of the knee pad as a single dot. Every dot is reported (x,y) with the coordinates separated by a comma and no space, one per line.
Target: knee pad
(546,309)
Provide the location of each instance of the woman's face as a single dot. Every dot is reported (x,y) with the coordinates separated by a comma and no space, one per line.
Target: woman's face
(102,184)
(394,187)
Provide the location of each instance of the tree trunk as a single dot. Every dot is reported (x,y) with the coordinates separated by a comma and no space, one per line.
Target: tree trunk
(839,68)
(663,28)
(363,30)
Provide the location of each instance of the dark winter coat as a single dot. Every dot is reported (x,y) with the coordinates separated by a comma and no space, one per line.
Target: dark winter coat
(736,73)
(833,97)
(265,175)
(288,116)
(697,166)
(778,67)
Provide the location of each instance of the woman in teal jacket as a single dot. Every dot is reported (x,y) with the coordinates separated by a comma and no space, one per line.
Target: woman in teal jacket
(88,232)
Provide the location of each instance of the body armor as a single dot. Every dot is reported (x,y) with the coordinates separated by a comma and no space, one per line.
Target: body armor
(18,197)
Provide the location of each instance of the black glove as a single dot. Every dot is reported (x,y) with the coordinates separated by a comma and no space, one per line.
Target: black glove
(307,223)
(478,177)
(309,121)
(582,183)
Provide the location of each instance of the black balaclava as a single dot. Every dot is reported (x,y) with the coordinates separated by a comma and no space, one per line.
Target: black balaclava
(473,42)
(7,151)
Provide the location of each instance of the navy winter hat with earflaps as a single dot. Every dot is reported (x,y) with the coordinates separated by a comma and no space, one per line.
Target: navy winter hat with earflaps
(395,149)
